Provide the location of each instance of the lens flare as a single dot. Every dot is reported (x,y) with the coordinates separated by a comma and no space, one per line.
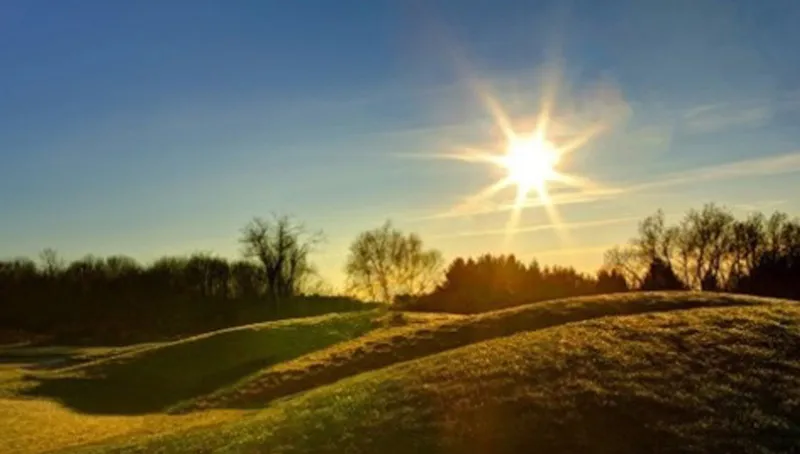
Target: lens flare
(530,163)
(531,160)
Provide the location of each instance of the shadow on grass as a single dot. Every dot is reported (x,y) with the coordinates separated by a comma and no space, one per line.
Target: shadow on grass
(131,395)
(388,348)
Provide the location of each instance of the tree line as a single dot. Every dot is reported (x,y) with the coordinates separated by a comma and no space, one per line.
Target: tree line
(708,249)
(116,299)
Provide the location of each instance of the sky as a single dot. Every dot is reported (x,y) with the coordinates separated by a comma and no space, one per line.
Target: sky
(161,127)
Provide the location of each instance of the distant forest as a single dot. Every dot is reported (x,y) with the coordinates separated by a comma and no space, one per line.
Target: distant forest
(117,300)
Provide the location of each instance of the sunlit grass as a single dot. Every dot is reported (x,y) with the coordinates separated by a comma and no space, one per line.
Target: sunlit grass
(706,380)
(150,379)
(387,347)
(563,376)
(34,426)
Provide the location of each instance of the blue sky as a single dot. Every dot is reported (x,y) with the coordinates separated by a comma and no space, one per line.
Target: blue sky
(161,127)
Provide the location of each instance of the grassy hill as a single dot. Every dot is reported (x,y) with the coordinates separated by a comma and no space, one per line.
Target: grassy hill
(148,379)
(385,347)
(121,391)
(639,372)
(706,380)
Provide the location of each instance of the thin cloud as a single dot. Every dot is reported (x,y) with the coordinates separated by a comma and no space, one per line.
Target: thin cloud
(766,166)
(586,196)
(749,113)
(539,227)
(759,205)
(770,165)
(706,119)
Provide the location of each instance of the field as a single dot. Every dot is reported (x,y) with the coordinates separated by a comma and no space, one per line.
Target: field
(640,372)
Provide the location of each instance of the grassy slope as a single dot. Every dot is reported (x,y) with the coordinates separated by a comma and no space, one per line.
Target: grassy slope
(698,381)
(36,426)
(147,380)
(383,348)
(143,377)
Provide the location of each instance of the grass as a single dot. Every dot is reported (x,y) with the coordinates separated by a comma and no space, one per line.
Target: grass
(700,381)
(387,347)
(646,372)
(149,379)
(36,426)
(34,357)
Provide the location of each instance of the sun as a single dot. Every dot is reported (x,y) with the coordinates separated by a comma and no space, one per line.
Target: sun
(530,162)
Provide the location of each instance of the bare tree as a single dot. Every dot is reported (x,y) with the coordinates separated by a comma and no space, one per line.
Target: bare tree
(626,261)
(706,239)
(697,250)
(384,263)
(656,242)
(282,246)
(52,264)
(708,250)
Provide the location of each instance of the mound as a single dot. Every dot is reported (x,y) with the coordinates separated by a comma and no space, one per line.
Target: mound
(698,381)
(383,348)
(147,380)
(29,426)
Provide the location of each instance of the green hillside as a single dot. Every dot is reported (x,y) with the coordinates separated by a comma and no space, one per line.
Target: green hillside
(700,381)
(689,372)
(147,380)
(386,347)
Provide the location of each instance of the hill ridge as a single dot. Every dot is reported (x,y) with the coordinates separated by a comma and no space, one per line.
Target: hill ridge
(386,348)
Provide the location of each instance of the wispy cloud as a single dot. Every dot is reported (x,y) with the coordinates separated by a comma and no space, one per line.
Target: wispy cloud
(717,117)
(748,113)
(765,166)
(540,227)
(758,167)
(760,205)
(576,197)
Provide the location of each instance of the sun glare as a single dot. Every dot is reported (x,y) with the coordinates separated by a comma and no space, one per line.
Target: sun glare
(530,163)
(530,160)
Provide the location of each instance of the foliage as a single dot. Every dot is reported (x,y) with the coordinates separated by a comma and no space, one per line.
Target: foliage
(384,263)
(712,250)
(776,274)
(115,300)
(660,276)
(611,282)
(494,282)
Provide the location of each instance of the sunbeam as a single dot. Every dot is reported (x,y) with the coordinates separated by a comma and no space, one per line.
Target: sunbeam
(532,160)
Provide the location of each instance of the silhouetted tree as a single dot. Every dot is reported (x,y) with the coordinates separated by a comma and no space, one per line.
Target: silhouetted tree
(384,262)
(52,264)
(708,250)
(705,244)
(611,282)
(776,274)
(660,276)
(494,282)
(117,300)
(248,280)
(282,246)
(711,250)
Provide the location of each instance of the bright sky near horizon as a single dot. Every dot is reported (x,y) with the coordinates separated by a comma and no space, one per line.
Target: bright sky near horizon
(161,127)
